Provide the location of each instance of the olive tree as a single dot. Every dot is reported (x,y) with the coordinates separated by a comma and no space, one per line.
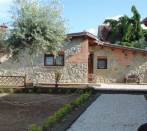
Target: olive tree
(37,28)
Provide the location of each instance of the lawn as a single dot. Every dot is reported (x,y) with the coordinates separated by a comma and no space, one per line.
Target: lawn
(19,111)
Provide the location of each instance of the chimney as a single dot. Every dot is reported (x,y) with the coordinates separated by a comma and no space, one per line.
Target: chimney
(103,31)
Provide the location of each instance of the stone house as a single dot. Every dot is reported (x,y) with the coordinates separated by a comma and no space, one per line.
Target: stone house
(84,59)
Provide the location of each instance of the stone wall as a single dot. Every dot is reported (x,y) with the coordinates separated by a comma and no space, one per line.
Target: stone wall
(120,63)
(74,71)
(71,73)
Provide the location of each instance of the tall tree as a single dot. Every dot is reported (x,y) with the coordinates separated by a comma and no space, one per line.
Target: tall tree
(36,27)
(134,31)
(127,31)
(118,28)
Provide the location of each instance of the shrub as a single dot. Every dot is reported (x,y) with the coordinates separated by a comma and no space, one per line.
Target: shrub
(49,122)
(35,128)
(58,75)
(80,100)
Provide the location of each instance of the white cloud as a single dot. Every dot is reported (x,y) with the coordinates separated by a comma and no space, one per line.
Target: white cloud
(115,17)
(92,30)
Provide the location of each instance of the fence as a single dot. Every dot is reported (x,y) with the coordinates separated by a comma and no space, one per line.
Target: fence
(13,81)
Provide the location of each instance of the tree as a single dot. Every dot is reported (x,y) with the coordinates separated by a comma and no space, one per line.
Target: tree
(127,31)
(37,28)
(113,34)
(134,31)
(145,34)
(118,28)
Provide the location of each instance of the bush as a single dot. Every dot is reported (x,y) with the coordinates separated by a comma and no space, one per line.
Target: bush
(49,122)
(35,128)
(58,75)
(80,100)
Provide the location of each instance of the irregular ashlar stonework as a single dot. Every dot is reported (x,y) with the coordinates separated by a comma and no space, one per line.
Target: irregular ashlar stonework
(71,73)
(120,63)
(74,71)
(140,71)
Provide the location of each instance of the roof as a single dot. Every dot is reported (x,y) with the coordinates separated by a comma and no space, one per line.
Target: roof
(104,44)
(84,33)
(144,20)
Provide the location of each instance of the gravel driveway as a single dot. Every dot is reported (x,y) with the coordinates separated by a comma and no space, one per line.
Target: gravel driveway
(113,112)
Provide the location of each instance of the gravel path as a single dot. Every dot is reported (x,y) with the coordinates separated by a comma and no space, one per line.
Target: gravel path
(113,112)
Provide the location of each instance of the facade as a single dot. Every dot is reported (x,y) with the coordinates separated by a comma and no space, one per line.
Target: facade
(84,59)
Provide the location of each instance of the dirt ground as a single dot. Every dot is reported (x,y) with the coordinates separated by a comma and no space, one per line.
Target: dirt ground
(19,111)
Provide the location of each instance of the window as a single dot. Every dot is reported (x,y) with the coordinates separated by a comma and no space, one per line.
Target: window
(51,60)
(101,63)
(60,60)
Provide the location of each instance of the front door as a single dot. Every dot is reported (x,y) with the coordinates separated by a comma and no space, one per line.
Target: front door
(90,67)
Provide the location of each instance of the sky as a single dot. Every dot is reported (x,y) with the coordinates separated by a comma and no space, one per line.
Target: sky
(86,15)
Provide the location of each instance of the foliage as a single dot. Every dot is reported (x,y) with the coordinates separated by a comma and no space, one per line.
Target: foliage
(37,28)
(35,128)
(3,38)
(141,43)
(52,120)
(145,34)
(127,31)
(80,100)
(57,116)
(58,75)
(134,30)
(118,28)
